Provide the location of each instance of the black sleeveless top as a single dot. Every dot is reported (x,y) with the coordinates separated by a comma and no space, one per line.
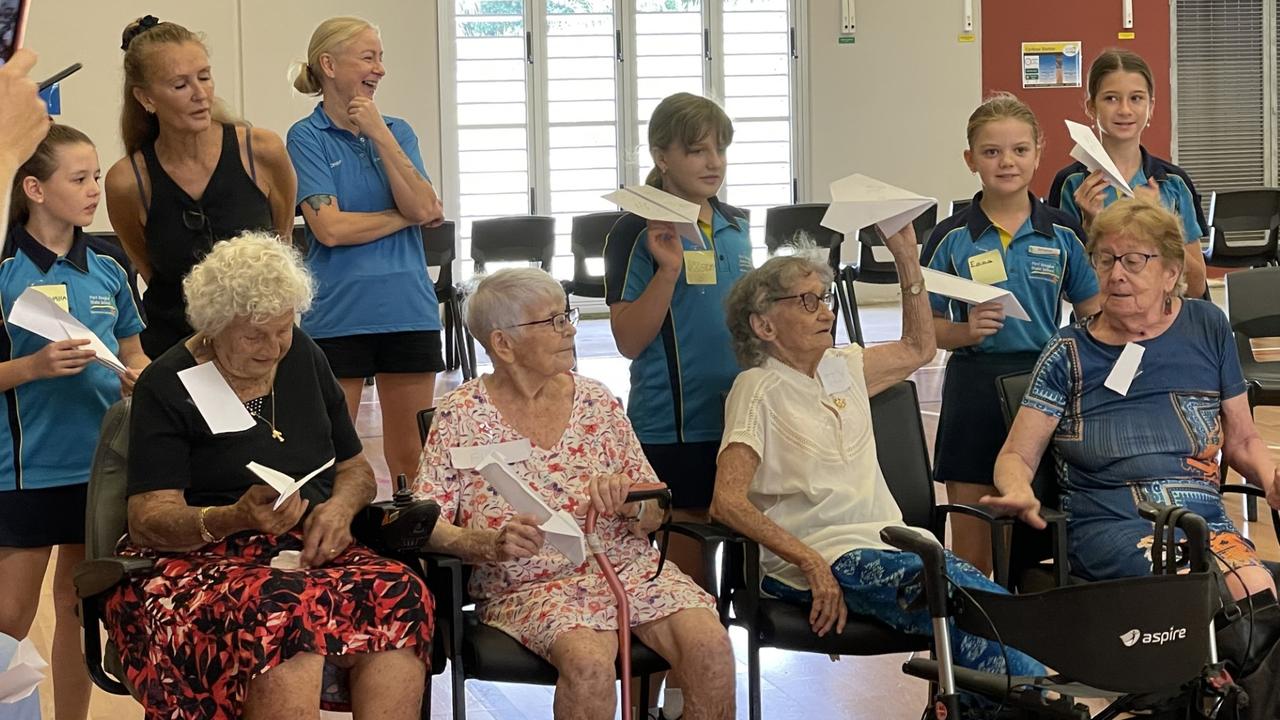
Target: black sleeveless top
(180,231)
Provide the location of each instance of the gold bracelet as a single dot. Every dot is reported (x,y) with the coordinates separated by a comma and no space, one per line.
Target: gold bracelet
(204,529)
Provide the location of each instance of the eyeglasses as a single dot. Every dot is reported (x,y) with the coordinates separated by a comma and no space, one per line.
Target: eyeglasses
(809,300)
(1132,262)
(559,322)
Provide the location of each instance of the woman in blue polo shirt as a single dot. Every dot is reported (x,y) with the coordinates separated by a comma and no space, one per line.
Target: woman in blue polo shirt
(1009,239)
(1121,100)
(364,195)
(53,395)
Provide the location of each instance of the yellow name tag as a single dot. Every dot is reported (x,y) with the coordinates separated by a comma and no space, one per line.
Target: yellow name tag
(700,267)
(56,293)
(987,268)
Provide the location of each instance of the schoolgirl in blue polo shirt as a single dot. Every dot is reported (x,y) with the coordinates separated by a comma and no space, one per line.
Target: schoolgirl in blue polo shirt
(364,194)
(1121,100)
(54,394)
(1009,239)
(669,320)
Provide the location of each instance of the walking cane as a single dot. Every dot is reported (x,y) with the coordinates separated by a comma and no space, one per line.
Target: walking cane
(637,493)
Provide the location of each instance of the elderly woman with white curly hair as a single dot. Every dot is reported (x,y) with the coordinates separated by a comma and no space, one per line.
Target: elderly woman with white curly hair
(225,603)
(567,438)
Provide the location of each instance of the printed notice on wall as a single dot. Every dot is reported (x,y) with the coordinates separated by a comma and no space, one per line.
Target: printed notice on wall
(1051,64)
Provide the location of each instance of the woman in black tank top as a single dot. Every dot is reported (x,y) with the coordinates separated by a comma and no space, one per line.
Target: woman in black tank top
(184,183)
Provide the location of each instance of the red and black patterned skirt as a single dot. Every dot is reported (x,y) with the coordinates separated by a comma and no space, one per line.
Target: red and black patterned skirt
(194,632)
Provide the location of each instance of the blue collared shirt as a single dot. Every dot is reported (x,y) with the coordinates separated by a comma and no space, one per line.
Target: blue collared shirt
(1176,192)
(1044,262)
(51,425)
(380,286)
(679,382)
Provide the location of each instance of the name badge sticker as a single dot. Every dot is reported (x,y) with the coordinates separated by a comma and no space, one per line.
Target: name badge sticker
(56,293)
(987,268)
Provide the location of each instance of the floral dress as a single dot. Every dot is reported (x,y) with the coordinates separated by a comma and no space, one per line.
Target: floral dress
(536,599)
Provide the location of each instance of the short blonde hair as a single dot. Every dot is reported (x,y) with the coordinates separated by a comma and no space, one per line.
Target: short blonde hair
(328,37)
(1148,223)
(754,292)
(254,275)
(502,300)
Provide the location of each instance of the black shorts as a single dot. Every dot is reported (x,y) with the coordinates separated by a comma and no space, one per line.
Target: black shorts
(689,469)
(971,426)
(361,356)
(43,517)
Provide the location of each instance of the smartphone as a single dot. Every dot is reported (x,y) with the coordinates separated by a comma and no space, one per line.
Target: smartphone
(13,25)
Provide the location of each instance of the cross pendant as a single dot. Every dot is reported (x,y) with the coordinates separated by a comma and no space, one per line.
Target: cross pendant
(279,436)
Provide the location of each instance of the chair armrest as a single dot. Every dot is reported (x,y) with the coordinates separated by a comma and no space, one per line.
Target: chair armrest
(706,533)
(444,580)
(1254,492)
(661,494)
(999,525)
(95,577)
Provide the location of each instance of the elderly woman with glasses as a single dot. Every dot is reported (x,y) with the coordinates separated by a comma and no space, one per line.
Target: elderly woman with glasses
(566,439)
(797,470)
(1138,402)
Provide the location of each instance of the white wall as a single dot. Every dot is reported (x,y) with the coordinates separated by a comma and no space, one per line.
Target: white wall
(251,44)
(894,104)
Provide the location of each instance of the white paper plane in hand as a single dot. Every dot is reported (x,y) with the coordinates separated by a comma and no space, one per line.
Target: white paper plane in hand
(282,483)
(971,292)
(24,674)
(1089,151)
(561,528)
(38,313)
(651,203)
(858,201)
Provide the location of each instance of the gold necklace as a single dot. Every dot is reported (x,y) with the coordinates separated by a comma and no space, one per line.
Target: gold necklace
(279,436)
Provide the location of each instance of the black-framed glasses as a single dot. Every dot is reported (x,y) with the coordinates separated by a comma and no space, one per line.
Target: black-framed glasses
(559,322)
(1133,262)
(810,300)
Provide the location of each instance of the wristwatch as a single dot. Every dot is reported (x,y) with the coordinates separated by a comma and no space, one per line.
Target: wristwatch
(914,288)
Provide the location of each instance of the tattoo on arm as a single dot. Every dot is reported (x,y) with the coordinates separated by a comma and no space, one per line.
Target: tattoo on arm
(317,201)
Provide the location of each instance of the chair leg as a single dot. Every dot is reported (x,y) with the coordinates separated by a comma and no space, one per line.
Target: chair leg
(450,351)
(753,675)
(642,700)
(842,297)
(459,692)
(855,332)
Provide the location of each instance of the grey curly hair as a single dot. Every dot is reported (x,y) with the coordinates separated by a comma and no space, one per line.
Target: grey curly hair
(753,293)
(254,275)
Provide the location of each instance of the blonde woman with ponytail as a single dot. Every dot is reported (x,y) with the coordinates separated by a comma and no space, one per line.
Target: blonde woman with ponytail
(365,195)
(192,175)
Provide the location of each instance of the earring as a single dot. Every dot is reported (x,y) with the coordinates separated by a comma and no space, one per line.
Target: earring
(1168,303)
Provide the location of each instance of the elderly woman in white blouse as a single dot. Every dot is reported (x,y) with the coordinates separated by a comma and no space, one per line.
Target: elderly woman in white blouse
(797,470)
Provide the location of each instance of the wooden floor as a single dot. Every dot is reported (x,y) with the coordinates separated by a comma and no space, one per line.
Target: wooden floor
(794,685)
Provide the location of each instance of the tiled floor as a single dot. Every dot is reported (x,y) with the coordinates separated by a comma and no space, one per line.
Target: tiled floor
(794,685)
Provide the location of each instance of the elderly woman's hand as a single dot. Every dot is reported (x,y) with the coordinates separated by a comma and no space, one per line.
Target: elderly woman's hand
(519,538)
(828,609)
(326,533)
(1020,503)
(608,493)
(254,509)
(903,242)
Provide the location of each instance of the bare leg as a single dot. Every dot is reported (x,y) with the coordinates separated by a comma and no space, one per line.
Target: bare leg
(402,395)
(71,685)
(584,658)
(352,388)
(23,572)
(701,656)
(1248,581)
(387,685)
(288,691)
(970,537)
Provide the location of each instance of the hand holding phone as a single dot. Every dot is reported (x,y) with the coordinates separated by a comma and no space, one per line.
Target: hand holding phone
(24,120)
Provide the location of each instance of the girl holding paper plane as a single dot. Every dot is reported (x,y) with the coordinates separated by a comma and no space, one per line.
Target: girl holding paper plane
(1008,239)
(1121,102)
(54,394)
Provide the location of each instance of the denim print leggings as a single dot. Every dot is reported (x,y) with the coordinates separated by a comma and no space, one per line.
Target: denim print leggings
(884,583)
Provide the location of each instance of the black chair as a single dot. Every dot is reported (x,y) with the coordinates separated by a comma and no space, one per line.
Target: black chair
(781,226)
(904,459)
(440,245)
(878,272)
(586,239)
(1254,312)
(106,520)
(529,239)
(1243,212)
(476,651)
(958,205)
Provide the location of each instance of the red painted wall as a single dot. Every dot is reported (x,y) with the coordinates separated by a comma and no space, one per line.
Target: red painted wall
(1006,24)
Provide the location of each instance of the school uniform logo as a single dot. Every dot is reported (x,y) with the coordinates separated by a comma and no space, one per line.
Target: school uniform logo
(102,305)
